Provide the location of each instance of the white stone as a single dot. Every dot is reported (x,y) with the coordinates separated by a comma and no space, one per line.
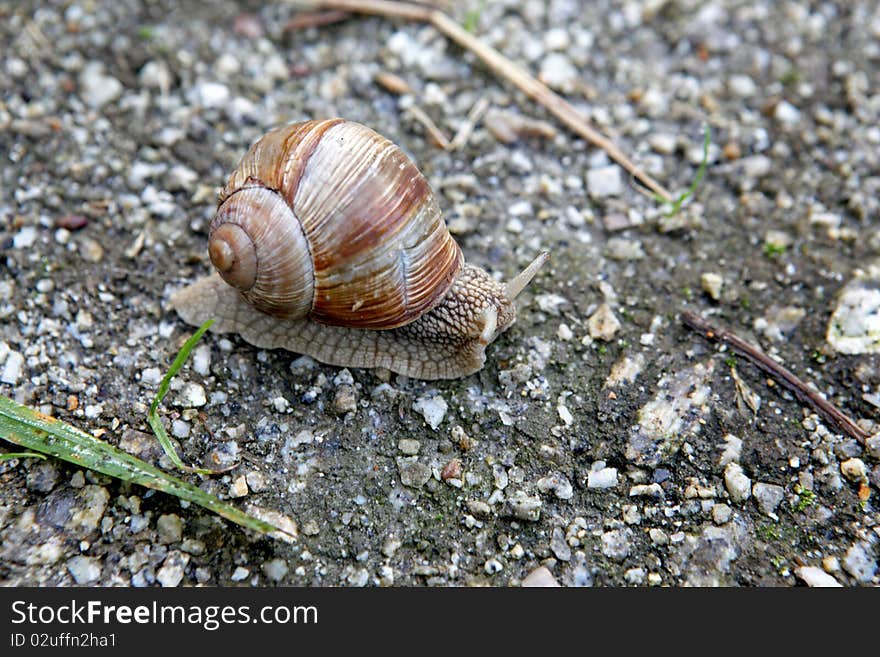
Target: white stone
(711,283)
(787,113)
(605,181)
(84,570)
(210,95)
(540,577)
(603,324)
(738,485)
(201,362)
(816,577)
(604,478)
(192,395)
(13,368)
(742,86)
(557,72)
(433,408)
(768,496)
(25,238)
(96,87)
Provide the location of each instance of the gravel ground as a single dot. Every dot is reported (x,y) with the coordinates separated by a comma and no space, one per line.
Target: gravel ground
(603,444)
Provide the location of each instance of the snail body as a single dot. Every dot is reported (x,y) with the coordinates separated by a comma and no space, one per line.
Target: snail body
(328,241)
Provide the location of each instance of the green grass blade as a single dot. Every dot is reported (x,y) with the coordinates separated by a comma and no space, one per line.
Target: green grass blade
(701,171)
(31,429)
(8,456)
(153,418)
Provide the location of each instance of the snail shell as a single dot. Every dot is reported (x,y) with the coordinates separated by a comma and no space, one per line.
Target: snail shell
(329,242)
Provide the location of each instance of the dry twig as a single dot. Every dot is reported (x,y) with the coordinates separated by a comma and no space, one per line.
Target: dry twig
(785,377)
(505,68)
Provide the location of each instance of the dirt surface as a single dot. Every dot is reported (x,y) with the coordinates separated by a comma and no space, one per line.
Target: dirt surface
(602,440)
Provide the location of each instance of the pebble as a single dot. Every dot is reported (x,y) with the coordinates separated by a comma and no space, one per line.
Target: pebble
(603,478)
(239,574)
(12,368)
(345,399)
(854,327)
(540,577)
(558,73)
(42,477)
(742,86)
(872,445)
(663,143)
(433,408)
(171,572)
(558,483)
(192,395)
(768,497)
(84,570)
(275,569)
(859,562)
(209,95)
(96,87)
(25,238)
(603,324)
(646,490)
(816,577)
(152,376)
(658,536)
(412,473)
(409,446)
(854,470)
(559,546)
(523,506)
(738,485)
(721,514)
(711,283)
(616,544)
(180,429)
(238,487)
(622,249)
(787,113)
(605,181)
(635,576)
(169,528)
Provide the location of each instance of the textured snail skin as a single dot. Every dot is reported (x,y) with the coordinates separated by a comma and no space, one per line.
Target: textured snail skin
(445,343)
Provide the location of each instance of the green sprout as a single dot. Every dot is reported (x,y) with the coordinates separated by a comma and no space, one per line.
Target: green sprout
(701,171)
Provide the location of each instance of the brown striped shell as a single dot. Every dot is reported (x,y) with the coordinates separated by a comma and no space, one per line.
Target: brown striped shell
(330,220)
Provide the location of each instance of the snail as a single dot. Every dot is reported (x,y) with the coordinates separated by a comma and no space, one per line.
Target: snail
(329,242)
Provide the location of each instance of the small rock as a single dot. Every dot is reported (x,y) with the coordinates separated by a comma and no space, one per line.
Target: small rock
(816,577)
(42,477)
(768,497)
(239,574)
(409,446)
(12,368)
(84,570)
(872,444)
(605,181)
(604,478)
(433,408)
(616,544)
(192,395)
(275,569)
(96,87)
(786,113)
(603,324)
(451,470)
(558,73)
(654,490)
(738,485)
(854,470)
(559,546)
(635,576)
(522,506)
(558,483)
(658,536)
(619,248)
(256,481)
(238,487)
(859,562)
(169,528)
(412,473)
(171,572)
(25,238)
(711,284)
(210,95)
(539,577)
(201,362)
(742,86)
(345,399)
(721,514)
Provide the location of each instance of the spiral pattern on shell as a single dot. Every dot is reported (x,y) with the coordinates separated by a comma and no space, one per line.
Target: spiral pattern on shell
(330,220)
